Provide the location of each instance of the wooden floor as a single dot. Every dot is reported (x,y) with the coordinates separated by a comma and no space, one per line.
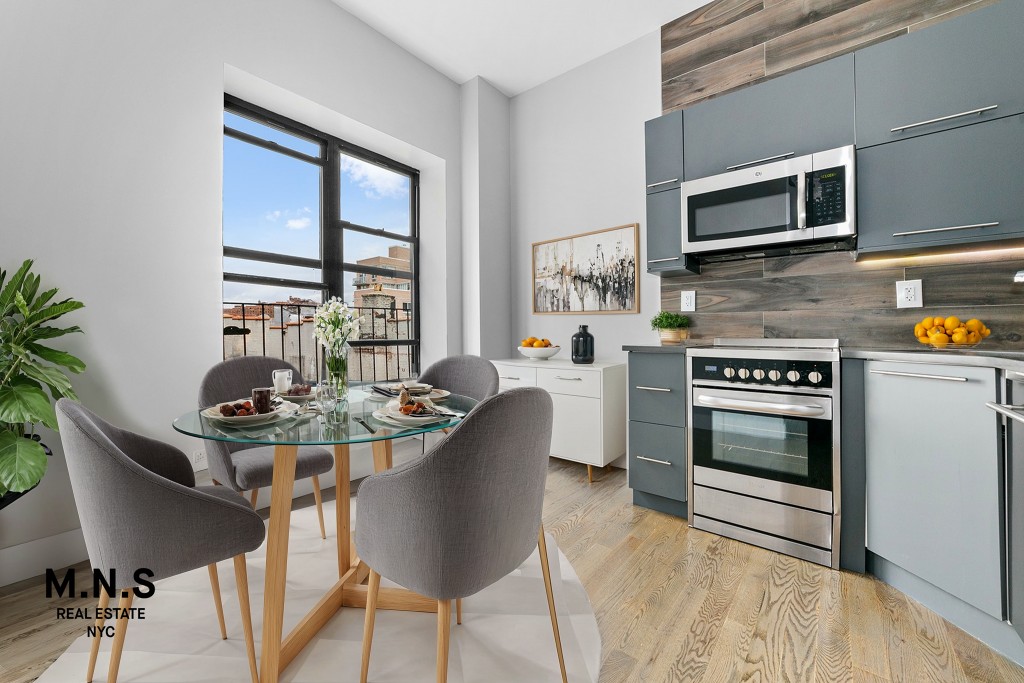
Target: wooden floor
(672,603)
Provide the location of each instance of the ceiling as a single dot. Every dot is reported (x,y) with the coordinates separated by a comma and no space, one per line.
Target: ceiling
(514,45)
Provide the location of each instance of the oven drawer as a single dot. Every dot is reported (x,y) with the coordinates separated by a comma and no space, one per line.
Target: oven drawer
(657,460)
(512,376)
(805,526)
(572,382)
(657,388)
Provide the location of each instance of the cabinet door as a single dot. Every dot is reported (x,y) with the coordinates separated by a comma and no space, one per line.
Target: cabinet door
(576,429)
(657,388)
(933,482)
(962,65)
(657,460)
(1015,507)
(663,143)
(958,186)
(664,231)
(807,111)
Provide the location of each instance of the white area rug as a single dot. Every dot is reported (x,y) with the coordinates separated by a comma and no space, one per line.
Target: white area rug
(505,633)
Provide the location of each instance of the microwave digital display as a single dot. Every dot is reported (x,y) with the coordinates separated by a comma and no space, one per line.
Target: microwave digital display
(826,196)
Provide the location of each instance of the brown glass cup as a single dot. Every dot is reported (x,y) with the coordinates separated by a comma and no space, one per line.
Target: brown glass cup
(261,400)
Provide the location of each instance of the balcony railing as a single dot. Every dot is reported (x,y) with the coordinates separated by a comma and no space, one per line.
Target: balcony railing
(386,350)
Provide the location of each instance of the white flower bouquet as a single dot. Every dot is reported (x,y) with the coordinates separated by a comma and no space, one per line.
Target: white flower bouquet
(334,324)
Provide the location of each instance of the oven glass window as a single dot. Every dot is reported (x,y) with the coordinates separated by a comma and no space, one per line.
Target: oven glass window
(773,444)
(755,209)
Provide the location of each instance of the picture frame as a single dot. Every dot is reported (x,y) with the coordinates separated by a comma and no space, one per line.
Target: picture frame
(591,272)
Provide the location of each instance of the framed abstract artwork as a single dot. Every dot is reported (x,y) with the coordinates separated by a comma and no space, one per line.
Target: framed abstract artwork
(593,272)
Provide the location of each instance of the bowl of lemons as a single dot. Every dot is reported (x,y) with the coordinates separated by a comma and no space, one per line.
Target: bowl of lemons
(950,332)
(538,349)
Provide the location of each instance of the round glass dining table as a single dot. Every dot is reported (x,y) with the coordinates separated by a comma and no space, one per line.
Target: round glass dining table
(353,423)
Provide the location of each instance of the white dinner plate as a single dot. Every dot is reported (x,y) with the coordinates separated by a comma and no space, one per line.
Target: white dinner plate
(434,395)
(406,421)
(299,398)
(213,413)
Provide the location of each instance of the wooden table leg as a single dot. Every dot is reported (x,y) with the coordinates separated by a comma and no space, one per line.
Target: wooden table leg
(342,507)
(282,486)
(382,453)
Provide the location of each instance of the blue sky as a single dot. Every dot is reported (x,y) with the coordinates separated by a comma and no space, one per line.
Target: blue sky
(272,203)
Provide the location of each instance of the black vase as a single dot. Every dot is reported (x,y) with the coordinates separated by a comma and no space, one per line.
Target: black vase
(582,347)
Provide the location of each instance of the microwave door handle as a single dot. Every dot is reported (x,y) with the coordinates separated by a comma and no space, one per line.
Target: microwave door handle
(802,200)
(761,407)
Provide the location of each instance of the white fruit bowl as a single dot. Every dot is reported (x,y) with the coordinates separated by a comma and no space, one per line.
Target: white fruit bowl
(539,354)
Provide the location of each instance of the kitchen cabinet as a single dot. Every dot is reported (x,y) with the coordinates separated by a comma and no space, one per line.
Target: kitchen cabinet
(967,64)
(956,187)
(933,485)
(664,231)
(657,435)
(663,144)
(807,111)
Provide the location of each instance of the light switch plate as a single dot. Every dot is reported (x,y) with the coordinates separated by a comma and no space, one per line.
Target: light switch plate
(909,294)
(688,301)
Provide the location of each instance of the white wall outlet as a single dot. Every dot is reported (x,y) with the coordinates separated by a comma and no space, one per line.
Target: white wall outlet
(909,294)
(688,301)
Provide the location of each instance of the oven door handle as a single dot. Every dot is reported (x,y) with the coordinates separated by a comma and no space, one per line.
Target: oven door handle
(761,407)
(1007,410)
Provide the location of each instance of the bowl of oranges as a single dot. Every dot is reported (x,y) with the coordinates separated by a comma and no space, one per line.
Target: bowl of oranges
(538,349)
(950,332)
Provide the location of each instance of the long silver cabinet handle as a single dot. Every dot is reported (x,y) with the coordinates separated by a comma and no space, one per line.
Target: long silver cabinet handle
(918,375)
(953,227)
(571,379)
(759,161)
(1009,411)
(980,110)
(507,377)
(662,260)
(660,462)
(760,407)
(652,388)
(663,182)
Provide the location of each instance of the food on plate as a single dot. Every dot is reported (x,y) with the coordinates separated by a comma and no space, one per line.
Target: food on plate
(299,390)
(237,409)
(942,331)
(416,409)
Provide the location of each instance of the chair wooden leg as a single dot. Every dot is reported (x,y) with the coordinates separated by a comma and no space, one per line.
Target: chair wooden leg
(546,570)
(95,649)
(242,582)
(319,505)
(254,497)
(444,632)
(371,614)
(120,630)
(215,585)
(458,611)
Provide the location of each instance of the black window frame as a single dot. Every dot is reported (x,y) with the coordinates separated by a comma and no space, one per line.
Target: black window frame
(332,264)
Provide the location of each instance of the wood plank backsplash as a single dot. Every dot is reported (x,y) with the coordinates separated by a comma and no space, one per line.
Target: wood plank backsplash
(729,44)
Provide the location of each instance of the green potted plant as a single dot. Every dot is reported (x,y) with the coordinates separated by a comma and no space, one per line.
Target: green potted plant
(27,367)
(673,327)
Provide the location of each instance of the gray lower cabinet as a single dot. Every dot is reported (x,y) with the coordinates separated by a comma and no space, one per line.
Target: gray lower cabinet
(960,186)
(963,65)
(657,388)
(663,139)
(932,453)
(657,460)
(807,111)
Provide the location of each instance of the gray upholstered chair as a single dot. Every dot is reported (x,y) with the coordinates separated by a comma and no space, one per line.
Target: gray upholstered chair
(140,509)
(465,515)
(249,468)
(464,375)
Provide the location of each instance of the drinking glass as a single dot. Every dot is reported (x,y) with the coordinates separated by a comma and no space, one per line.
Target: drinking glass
(261,400)
(332,405)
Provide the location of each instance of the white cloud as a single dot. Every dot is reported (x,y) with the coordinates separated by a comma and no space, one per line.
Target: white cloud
(273,215)
(375,181)
(298,223)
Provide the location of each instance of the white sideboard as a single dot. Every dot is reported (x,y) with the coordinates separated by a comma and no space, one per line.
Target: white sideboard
(589,402)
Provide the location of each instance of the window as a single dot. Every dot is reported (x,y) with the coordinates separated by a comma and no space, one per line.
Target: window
(309,216)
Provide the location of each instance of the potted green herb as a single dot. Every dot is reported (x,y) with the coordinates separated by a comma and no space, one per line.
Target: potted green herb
(672,327)
(26,368)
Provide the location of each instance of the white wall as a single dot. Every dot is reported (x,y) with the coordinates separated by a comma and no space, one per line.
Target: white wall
(110,177)
(578,165)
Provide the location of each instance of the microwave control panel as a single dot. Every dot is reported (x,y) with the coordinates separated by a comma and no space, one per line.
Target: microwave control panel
(826,196)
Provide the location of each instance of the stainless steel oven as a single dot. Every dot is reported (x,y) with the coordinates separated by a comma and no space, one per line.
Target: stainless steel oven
(763,441)
(770,202)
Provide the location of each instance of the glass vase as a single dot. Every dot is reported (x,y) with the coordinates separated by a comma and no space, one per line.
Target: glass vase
(583,347)
(336,362)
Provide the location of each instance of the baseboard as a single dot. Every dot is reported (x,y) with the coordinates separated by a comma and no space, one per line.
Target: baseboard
(23,561)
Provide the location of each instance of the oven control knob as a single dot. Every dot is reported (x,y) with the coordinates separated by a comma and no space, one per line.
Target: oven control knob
(743,373)
(793,376)
(814,377)
(729,373)
(758,374)
(774,375)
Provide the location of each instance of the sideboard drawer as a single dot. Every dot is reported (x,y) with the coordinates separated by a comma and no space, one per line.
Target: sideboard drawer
(572,382)
(512,376)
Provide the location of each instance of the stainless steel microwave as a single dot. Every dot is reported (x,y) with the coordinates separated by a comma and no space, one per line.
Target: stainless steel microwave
(781,201)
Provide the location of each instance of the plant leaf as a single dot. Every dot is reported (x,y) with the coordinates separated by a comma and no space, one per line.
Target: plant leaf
(72,363)
(21,402)
(22,305)
(59,385)
(52,332)
(54,311)
(31,286)
(13,286)
(22,462)
(44,299)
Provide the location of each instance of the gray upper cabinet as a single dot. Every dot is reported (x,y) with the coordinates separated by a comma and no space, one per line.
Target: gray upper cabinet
(933,482)
(807,111)
(664,236)
(961,186)
(663,138)
(966,64)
